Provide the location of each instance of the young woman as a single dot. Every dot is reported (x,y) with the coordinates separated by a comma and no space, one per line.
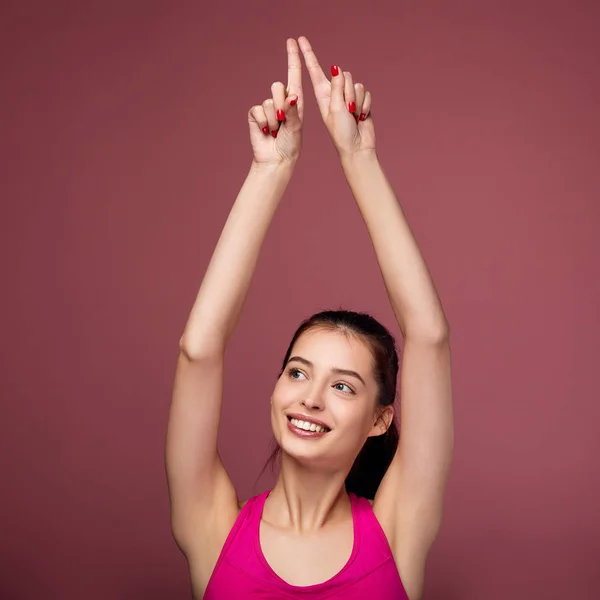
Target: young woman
(316,534)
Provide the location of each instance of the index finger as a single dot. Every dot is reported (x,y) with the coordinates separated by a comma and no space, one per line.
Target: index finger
(294,85)
(312,64)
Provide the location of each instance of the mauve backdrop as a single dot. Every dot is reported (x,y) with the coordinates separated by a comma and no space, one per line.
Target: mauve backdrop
(124,145)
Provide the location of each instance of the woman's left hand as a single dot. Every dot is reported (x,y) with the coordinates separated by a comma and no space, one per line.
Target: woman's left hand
(345,106)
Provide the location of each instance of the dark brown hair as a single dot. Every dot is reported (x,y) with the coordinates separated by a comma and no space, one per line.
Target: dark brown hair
(378,451)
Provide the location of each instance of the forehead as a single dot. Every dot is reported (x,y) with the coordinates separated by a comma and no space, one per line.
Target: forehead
(335,348)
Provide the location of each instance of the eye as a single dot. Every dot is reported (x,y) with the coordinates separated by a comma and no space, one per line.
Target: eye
(295,373)
(348,389)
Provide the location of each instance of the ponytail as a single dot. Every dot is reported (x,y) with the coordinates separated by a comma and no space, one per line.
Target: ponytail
(372,463)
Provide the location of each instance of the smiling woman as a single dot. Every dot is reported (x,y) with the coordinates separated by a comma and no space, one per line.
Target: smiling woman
(316,535)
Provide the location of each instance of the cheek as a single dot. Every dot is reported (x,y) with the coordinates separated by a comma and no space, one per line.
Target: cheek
(278,398)
(275,413)
(352,417)
(281,400)
(285,394)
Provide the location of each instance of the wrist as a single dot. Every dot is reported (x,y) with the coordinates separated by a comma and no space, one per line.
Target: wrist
(283,167)
(352,160)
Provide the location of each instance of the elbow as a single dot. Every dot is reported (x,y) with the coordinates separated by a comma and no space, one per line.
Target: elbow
(442,334)
(180,538)
(201,350)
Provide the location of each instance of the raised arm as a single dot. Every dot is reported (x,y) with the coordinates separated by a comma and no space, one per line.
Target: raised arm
(203,499)
(409,501)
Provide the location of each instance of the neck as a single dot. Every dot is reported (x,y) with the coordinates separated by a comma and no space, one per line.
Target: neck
(305,499)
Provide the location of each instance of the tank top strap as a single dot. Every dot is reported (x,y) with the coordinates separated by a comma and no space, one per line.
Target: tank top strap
(257,504)
(372,537)
(238,550)
(243,530)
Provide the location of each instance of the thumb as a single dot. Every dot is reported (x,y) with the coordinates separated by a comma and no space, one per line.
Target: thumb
(337,89)
(292,117)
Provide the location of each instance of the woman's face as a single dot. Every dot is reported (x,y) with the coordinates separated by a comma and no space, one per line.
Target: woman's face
(323,406)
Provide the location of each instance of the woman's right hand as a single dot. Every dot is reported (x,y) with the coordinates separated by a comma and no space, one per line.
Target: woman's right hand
(276,124)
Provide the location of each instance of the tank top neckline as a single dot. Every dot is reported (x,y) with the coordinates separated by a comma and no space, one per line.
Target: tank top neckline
(257,510)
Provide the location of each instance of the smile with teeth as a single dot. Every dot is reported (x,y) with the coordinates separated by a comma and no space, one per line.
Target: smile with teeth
(308,426)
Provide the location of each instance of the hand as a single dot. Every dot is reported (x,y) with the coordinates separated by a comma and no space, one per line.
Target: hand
(276,125)
(344,105)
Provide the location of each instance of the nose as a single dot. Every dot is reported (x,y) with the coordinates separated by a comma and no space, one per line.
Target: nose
(313,402)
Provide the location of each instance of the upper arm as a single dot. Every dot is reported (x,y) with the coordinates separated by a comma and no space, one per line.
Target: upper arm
(201,492)
(409,501)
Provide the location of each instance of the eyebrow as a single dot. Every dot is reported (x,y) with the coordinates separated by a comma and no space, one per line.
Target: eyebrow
(334,370)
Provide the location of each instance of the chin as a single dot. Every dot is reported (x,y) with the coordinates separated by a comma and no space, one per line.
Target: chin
(303,456)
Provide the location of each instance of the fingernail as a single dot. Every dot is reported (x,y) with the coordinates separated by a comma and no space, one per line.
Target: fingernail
(293,102)
(352,107)
(274,133)
(265,130)
(334,70)
(280,115)
(363,116)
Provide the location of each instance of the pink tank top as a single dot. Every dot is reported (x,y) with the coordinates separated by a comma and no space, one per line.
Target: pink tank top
(242,572)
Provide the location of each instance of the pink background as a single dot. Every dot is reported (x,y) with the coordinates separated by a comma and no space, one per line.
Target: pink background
(124,144)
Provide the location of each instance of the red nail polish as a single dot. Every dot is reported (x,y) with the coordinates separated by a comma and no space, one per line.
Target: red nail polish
(280,115)
(334,70)
(352,107)
(293,102)
(274,133)
(363,116)
(265,130)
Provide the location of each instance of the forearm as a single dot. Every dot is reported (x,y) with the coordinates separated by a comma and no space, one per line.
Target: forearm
(407,279)
(227,280)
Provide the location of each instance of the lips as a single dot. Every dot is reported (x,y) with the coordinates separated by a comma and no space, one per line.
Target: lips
(307,427)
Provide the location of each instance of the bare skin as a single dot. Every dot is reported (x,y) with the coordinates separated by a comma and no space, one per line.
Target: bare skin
(307,515)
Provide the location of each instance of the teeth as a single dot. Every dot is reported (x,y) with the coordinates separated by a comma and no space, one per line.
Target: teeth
(307,426)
